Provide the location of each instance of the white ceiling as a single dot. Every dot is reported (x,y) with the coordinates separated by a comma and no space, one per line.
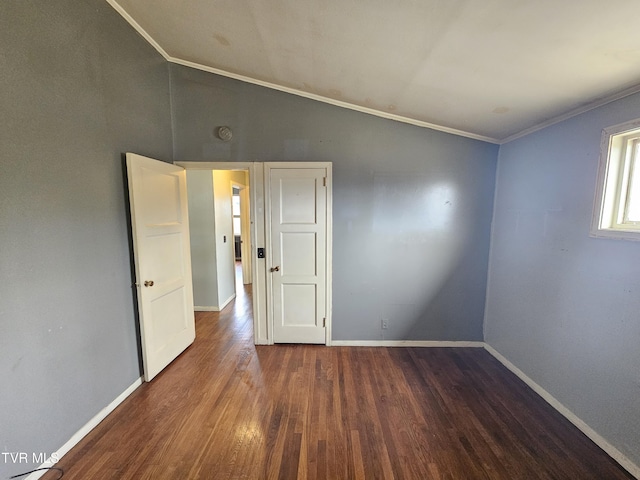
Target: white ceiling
(488,69)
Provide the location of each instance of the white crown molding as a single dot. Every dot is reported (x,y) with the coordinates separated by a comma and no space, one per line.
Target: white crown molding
(408,120)
(572,113)
(138,28)
(367,110)
(332,101)
(294,91)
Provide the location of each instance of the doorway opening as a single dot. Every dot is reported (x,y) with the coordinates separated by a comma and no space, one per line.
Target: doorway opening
(246,177)
(288,260)
(216,235)
(240,209)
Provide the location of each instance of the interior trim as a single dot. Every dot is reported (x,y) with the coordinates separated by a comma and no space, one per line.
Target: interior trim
(138,28)
(86,429)
(572,113)
(612,451)
(358,108)
(332,101)
(598,439)
(293,91)
(404,343)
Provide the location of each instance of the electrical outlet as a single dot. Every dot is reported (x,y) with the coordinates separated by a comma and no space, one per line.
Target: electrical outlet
(384,323)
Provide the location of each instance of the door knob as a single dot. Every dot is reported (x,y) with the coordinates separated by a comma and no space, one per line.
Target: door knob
(275,269)
(148,283)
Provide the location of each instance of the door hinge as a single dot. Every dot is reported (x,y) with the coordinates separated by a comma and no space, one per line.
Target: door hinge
(324,322)
(324,181)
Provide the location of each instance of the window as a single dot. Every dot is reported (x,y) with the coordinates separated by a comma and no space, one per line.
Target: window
(617,206)
(235,204)
(237,223)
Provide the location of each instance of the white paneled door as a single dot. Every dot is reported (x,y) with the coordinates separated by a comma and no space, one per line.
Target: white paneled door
(299,210)
(160,224)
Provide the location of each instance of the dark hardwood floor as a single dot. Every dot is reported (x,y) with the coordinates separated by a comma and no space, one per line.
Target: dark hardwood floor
(227,409)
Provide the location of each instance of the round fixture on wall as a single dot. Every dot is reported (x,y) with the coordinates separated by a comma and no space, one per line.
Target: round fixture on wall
(224,133)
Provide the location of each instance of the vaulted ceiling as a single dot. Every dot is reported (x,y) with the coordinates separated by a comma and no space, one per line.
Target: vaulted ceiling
(490,69)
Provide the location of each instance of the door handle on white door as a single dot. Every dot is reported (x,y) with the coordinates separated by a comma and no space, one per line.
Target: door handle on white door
(275,269)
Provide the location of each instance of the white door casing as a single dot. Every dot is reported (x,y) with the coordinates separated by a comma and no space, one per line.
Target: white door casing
(298,214)
(162,257)
(245,246)
(260,238)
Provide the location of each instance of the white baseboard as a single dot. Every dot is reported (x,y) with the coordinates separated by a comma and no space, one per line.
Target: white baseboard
(80,434)
(198,308)
(403,343)
(214,308)
(227,301)
(612,451)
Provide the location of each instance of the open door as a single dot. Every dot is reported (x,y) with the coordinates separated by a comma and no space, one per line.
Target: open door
(160,225)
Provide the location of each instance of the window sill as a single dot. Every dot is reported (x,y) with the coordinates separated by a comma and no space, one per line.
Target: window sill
(615,234)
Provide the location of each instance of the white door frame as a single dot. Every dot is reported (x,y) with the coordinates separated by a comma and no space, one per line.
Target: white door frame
(245,226)
(258,178)
(261,330)
(268,166)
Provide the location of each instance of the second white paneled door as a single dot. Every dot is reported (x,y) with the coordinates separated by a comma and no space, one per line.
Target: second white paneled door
(299,200)
(160,227)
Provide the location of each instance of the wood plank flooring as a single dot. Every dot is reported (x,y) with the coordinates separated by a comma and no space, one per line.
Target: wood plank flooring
(226,409)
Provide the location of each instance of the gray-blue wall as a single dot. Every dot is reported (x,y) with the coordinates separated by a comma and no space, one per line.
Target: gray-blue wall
(412,210)
(77,88)
(411,207)
(562,306)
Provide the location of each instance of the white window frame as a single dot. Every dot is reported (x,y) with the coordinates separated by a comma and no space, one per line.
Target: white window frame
(619,155)
(237,233)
